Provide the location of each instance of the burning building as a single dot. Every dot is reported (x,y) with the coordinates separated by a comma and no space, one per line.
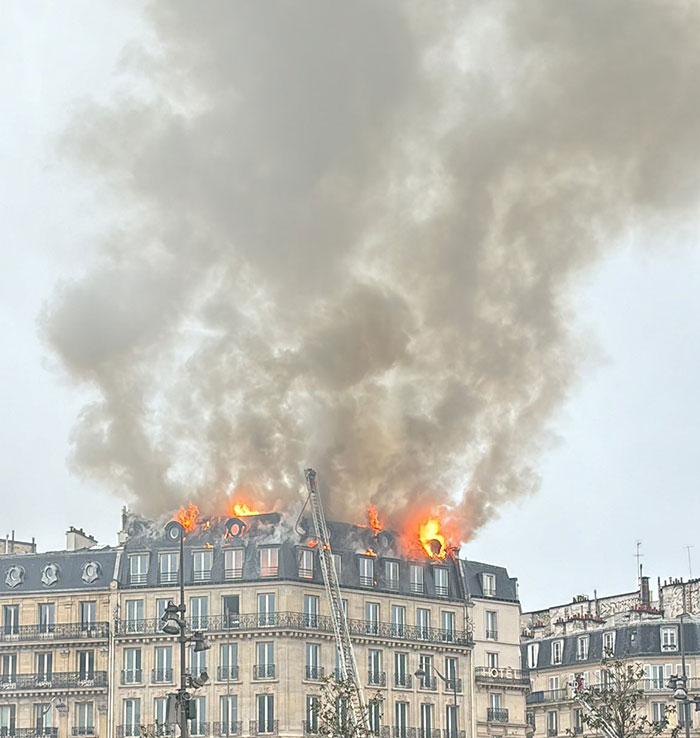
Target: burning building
(255,590)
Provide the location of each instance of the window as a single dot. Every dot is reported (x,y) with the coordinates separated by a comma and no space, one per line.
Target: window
(684,714)
(306,563)
(132,666)
(658,712)
(44,666)
(266,713)
(451,724)
(375,717)
(398,621)
(669,639)
(447,625)
(8,668)
(578,721)
(492,660)
(266,609)
(199,611)
(132,717)
(554,686)
(491,625)
(374,667)
(198,662)
(533,652)
(269,558)
(134,616)
(84,718)
(163,660)
(417,575)
(228,713)
(426,720)
(391,574)
(228,661)
(198,723)
(366,571)
(372,618)
(609,643)
(401,676)
(47,617)
(582,648)
(425,663)
(656,677)
(138,568)
(552,723)
(8,716)
(313,661)
(423,622)
(338,563)
(230,609)
(312,708)
(495,700)
(86,665)
(557,650)
(88,615)
(201,565)
(265,667)
(441,582)
(233,563)
(451,673)
(311,611)
(488,585)
(160,715)
(400,719)
(168,567)
(42,718)
(10,619)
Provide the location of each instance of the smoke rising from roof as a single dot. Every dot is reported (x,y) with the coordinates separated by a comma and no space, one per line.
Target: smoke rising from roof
(350,234)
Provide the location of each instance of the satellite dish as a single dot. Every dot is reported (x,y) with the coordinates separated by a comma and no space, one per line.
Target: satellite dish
(174,531)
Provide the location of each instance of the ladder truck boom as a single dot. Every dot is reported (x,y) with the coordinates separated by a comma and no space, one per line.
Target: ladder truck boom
(346,653)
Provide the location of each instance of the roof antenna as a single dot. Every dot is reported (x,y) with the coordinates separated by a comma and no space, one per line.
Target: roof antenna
(638,556)
(690,563)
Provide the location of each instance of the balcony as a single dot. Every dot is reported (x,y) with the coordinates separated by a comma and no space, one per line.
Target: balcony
(549,695)
(157,729)
(309,727)
(366,581)
(128,731)
(392,585)
(138,580)
(131,676)
(57,680)
(264,727)
(201,575)
(416,588)
(498,675)
(264,671)
(451,686)
(376,678)
(198,728)
(162,676)
(497,715)
(427,682)
(236,573)
(403,681)
(83,730)
(441,590)
(303,622)
(402,731)
(37,732)
(168,577)
(54,632)
(233,727)
(305,573)
(313,673)
(227,673)
(491,635)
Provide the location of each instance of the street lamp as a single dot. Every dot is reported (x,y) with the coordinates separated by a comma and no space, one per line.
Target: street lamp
(679,684)
(174,623)
(421,673)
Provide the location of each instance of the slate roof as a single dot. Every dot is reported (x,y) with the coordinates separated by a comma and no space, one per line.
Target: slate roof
(70,571)
(506,587)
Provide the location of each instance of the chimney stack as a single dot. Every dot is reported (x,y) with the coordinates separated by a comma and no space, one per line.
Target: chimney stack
(77,539)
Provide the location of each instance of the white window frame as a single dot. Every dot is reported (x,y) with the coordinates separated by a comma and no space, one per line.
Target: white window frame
(669,638)
(138,568)
(269,561)
(442,581)
(306,564)
(582,647)
(488,584)
(168,567)
(533,652)
(233,563)
(366,571)
(608,643)
(202,562)
(557,651)
(391,574)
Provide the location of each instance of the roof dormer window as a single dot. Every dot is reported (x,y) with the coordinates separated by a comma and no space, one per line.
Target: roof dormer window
(488,584)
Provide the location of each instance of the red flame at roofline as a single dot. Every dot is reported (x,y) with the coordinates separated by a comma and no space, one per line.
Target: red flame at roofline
(373,516)
(189,516)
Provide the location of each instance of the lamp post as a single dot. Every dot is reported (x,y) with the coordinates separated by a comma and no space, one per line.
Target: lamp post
(175,623)
(421,673)
(679,684)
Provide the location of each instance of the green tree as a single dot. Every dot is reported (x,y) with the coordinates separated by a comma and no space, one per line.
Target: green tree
(617,706)
(332,712)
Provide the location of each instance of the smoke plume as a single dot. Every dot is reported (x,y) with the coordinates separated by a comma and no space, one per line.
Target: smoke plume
(350,232)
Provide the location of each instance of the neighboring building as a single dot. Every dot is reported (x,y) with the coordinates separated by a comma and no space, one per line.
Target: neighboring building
(563,647)
(260,601)
(10,545)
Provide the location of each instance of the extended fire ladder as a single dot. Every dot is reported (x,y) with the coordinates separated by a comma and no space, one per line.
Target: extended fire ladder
(607,729)
(346,654)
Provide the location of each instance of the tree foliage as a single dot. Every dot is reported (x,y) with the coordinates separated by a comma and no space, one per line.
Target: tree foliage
(332,711)
(618,703)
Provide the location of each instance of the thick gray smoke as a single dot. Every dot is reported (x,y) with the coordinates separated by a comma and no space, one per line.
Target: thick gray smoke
(350,231)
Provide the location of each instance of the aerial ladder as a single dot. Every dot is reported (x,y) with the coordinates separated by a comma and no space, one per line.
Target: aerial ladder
(346,653)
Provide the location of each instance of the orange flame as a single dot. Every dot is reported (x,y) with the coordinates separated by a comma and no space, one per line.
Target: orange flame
(208,545)
(432,540)
(187,516)
(311,544)
(241,510)
(369,552)
(373,516)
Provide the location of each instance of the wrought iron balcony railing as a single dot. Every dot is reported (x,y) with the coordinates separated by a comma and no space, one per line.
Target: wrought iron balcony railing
(131,676)
(313,673)
(232,727)
(376,678)
(452,685)
(83,730)
(54,632)
(264,671)
(498,675)
(497,715)
(227,673)
(403,680)
(162,676)
(427,682)
(263,727)
(402,731)
(57,680)
(197,728)
(491,635)
(304,622)
(168,577)
(309,727)
(37,732)
(547,695)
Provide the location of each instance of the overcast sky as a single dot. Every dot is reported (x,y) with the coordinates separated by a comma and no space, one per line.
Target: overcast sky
(625,468)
